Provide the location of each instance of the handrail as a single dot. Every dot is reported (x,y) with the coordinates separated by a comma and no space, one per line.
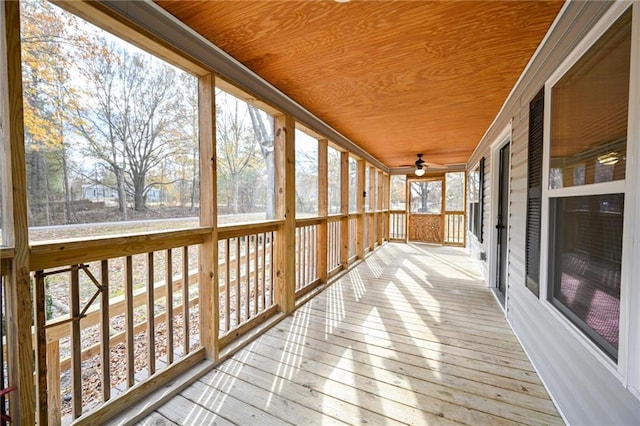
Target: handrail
(56,254)
(7,253)
(240,230)
(307,221)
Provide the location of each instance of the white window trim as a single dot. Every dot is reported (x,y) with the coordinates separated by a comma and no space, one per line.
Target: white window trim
(625,352)
(632,292)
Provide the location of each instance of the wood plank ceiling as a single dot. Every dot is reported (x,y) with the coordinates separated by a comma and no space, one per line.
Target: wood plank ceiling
(395,77)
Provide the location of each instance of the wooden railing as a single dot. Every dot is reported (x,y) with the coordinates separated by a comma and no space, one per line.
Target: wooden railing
(245,277)
(353,228)
(397,225)
(307,253)
(124,309)
(5,417)
(454,228)
(334,243)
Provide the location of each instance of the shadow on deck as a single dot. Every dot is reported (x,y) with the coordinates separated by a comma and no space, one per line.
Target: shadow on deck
(411,335)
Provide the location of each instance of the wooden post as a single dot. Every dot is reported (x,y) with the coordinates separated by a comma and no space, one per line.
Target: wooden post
(371,243)
(360,209)
(380,200)
(285,209)
(18,294)
(208,280)
(387,203)
(323,208)
(344,209)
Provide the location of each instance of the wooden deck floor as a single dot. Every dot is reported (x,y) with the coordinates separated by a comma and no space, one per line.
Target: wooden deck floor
(410,336)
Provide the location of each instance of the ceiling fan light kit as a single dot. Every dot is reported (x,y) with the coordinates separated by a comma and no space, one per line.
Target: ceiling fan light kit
(420,171)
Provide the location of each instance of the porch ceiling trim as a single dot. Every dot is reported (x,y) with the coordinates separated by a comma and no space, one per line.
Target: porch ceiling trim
(159,23)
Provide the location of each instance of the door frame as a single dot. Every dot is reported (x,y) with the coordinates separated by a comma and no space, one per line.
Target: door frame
(442,200)
(500,141)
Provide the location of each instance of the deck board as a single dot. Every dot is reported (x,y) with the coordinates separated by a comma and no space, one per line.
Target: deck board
(411,335)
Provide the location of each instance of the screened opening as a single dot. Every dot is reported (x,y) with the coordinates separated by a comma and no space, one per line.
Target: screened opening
(245,161)
(585,259)
(454,198)
(353,185)
(306,175)
(426,197)
(334,181)
(111,131)
(398,192)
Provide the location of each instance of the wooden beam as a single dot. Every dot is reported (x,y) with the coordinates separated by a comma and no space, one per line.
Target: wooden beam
(344,209)
(285,209)
(360,209)
(18,289)
(208,280)
(323,208)
(387,203)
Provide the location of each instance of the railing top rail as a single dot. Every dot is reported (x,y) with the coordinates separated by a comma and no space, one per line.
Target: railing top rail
(242,229)
(336,217)
(308,221)
(454,212)
(7,253)
(56,254)
(397,211)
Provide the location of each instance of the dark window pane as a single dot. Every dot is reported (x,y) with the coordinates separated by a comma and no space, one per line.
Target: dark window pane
(589,113)
(585,264)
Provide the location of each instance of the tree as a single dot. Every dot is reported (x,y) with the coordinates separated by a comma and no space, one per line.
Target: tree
(48,97)
(131,108)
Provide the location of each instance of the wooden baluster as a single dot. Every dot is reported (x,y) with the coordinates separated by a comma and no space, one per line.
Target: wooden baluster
(256,246)
(76,350)
(41,350)
(185,297)
(169,301)
(267,235)
(238,271)
(129,320)
(105,346)
(53,384)
(247,286)
(227,287)
(272,269)
(151,314)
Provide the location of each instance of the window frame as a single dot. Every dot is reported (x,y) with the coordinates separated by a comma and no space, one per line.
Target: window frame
(475,220)
(625,349)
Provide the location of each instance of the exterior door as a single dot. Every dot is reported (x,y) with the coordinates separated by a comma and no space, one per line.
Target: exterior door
(426,221)
(502,221)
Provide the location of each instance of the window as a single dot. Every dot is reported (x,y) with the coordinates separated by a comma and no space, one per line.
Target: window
(534,192)
(111,131)
(589,114)
(245,162)
(476,199)
(306,175)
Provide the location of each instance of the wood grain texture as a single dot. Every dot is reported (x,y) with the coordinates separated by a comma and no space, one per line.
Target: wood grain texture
(385,344)
(426,228)
(418,76)
(18,295)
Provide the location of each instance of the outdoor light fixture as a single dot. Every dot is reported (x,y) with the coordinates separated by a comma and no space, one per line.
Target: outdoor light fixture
(420,171)
(608,159)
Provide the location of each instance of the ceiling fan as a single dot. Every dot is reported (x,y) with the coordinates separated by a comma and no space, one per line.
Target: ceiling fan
(421,166)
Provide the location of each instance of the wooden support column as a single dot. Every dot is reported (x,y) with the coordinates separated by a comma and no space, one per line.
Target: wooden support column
(208,280)
(380,207)
(344,209)
(22,406)
(360,209)
(285,199)
(387,203)
(372,207)
(323,208)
